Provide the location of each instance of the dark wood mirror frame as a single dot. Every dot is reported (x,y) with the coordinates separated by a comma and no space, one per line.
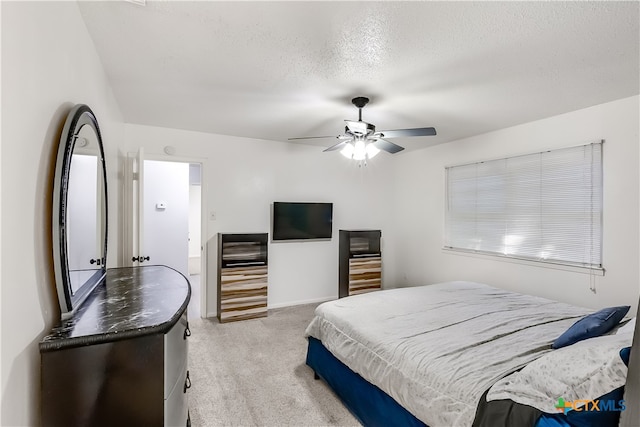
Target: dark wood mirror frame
(70,293)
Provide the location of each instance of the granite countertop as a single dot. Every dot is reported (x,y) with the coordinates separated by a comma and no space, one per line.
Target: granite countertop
(131,302)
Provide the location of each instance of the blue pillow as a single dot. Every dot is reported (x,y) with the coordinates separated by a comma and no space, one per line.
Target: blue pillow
(593,325)
(624,355)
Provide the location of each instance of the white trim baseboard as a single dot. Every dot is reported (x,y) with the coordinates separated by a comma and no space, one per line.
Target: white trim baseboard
(301,302)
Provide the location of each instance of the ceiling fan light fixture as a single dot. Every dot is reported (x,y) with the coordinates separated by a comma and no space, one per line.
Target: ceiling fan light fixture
(372,150)
(359,150)
(361,142)
(347,151)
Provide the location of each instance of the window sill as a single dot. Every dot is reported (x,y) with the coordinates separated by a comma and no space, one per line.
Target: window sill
(541,264)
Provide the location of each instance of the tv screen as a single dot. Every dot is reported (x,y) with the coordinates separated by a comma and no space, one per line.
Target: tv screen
(298,221)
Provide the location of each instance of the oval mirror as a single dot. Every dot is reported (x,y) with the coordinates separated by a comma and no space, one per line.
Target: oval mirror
(79,210)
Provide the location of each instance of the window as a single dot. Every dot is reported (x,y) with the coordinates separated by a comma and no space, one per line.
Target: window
(543,207)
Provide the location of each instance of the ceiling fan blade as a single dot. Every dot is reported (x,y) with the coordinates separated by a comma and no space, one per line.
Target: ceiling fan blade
(408,132)
(387,146)
(311,137)
(338,146)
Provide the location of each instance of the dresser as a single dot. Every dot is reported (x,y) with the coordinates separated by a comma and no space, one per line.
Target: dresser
(242,276)
(360,262)
(121,358)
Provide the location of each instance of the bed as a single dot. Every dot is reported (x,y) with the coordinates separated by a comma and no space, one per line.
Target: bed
(428,355)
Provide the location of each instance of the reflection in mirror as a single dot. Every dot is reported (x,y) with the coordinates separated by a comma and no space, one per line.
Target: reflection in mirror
(80,210)
(84,215)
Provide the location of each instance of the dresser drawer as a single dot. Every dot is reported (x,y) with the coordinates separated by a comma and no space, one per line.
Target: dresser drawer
(243,293)
(243,277)
(365,275)
(176,408)
(175,353)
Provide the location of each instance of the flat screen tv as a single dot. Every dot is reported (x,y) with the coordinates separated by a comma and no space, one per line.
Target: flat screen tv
(301,221)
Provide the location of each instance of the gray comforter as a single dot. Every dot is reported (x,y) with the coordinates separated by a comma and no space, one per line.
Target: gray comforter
(436,349)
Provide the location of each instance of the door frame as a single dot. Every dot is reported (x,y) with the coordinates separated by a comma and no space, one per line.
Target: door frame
(129,217)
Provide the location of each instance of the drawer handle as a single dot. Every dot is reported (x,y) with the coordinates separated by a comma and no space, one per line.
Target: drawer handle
(187,332)
(187,383)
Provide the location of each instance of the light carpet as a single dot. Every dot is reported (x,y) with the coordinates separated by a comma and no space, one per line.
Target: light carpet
(253,373)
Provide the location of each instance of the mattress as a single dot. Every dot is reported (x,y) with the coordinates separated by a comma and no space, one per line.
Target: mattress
(436,349)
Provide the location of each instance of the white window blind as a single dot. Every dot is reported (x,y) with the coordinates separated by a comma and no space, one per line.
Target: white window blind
(544,206)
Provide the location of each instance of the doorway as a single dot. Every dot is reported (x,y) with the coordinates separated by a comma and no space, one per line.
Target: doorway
(166,222)
(194,268)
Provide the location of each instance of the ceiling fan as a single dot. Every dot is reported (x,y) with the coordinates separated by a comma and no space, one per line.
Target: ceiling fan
(360,140)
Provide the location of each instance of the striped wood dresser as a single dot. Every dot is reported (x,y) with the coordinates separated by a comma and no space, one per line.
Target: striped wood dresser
(359,262)
(242,276)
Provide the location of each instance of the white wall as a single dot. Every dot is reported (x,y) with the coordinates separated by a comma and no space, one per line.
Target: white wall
(48,64)
(242,178)
(418,238)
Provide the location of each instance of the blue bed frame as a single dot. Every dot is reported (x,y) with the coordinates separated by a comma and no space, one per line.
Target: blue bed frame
(373,407)
(370,405)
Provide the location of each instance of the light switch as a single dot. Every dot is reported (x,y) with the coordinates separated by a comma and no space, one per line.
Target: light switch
(161,206)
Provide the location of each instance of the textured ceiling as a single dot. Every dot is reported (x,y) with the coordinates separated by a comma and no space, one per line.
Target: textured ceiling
(273,70)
